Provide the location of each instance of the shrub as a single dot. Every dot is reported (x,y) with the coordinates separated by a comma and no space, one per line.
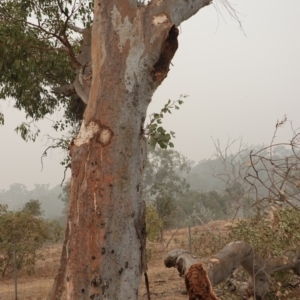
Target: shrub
(154,224)
(28,232)
(269,238)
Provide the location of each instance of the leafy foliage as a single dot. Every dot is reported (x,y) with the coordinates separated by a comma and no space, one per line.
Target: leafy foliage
(157,135)
(270,237)
(38,53)
(29,232)
(33,207)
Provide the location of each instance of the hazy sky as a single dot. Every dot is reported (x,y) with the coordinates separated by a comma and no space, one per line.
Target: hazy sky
(239,84)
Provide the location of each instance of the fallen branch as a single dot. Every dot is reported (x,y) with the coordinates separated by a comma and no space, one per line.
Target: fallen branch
(220,266)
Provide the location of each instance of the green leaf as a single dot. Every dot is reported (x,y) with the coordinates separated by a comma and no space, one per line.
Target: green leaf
(1,118)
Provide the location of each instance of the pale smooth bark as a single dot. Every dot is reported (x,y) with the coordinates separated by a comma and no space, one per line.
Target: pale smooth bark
(221,265)
(131,48)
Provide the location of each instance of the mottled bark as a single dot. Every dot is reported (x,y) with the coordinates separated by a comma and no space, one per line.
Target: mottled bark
(221,265)
(104,249)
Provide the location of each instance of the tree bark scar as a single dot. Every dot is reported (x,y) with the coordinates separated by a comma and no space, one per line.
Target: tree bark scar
(94,129)
(169,47)
(105,135)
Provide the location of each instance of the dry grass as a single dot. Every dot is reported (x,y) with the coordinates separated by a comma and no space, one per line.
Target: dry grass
(34,287)
(164,283)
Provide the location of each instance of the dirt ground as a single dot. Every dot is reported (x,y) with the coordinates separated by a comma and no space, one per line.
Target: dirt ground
(164,283)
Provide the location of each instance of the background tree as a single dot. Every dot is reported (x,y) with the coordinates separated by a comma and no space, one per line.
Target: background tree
(34,207)
(164,183)
(202,207)
(29,231)
(258,178)
(18,195)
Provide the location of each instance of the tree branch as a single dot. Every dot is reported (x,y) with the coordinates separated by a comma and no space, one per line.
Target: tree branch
(66,90)
(75,28)
(177,10)
(62,38)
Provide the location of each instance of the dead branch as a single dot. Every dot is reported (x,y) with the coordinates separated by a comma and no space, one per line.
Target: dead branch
(278,174)
(233,169)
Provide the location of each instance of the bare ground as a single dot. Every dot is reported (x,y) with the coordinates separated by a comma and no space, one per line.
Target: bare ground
(164,283)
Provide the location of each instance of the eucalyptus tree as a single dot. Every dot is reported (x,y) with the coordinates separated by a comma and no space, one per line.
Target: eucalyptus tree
(165,184)
(114,63)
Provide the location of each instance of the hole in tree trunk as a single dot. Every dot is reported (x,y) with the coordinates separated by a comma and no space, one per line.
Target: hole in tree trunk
(169,47)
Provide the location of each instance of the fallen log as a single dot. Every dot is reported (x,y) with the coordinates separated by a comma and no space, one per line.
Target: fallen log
(217,268)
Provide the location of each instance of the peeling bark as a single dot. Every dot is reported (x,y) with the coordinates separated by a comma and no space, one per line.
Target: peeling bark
(221,265)
(129,55)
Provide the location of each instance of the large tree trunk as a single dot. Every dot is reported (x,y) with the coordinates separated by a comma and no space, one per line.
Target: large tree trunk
(203,273)
(104,249)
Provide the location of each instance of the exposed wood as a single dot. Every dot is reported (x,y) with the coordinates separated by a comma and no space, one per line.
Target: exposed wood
(198,284)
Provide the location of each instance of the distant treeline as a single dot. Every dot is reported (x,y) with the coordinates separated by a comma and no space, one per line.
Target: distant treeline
(18,194)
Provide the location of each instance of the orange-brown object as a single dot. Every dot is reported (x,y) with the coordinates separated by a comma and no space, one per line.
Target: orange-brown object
(198,285)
